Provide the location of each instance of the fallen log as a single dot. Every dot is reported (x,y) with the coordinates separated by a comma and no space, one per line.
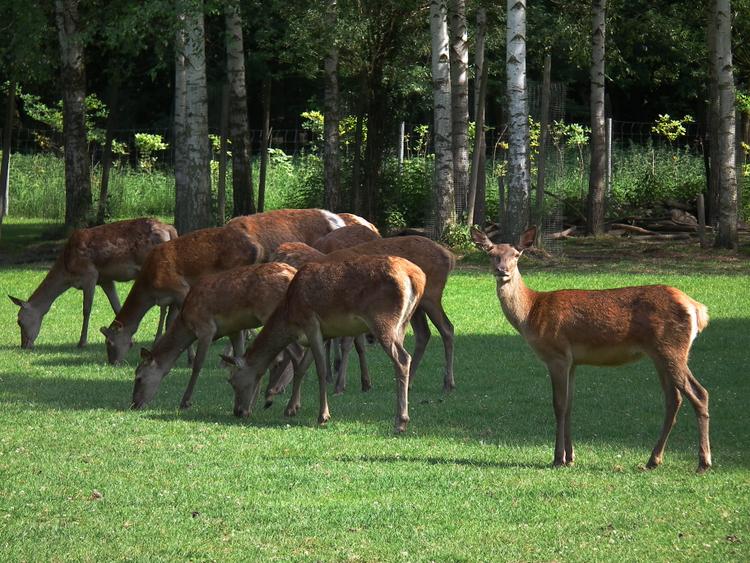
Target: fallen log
(563,234)
(665,236)
(631,228)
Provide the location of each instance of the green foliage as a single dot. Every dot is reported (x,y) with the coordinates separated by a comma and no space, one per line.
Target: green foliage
(743,101)
(458,237)
(147,144)
(52,116)
(671,129)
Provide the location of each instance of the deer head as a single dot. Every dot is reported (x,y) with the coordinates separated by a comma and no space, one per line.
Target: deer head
(148,376)
(503,257)
(118,342)
(29,320)
(245,380)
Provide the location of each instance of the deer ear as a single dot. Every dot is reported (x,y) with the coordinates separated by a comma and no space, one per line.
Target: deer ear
(480,240)
(20,302)
(231,360)
(527,238)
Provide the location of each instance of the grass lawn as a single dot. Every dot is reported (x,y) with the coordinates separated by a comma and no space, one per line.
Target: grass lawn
(83,478)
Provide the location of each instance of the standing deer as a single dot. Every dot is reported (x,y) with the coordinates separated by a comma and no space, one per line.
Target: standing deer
(568,328)
(435,261)
(370,293)
(222,304)
(171,269)
(95,256)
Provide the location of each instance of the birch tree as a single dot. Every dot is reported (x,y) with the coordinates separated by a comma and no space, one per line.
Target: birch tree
(331,158)
(597,175)
(77,176)
(722,73)
(193,199)
(445,208)
(475,205)
(519,179)
(239,131)
(459,71)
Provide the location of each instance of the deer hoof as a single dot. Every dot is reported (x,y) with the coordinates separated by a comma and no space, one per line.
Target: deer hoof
(291,410)
(324,418)
(184,405)
(702,468)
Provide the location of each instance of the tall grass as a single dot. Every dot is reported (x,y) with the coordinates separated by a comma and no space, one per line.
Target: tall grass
(643,177)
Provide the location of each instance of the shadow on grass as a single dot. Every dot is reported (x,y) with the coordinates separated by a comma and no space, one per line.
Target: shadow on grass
(503,396)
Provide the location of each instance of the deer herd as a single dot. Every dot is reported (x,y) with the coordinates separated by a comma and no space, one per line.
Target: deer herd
(318,282)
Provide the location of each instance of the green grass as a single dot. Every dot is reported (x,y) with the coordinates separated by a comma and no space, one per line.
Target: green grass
(470,480)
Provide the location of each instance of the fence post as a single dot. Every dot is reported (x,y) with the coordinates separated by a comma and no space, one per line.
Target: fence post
(401,132)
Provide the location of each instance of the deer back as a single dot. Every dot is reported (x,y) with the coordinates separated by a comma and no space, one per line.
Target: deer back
(345,237)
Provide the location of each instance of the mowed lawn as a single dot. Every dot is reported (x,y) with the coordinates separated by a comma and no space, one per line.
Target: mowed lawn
(84,478)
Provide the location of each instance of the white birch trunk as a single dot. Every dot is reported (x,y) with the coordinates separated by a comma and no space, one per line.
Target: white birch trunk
(445,209)
(180,98)
(519,179)
(459,66)
(239,130)
(196,213)
(597,175)
(331,158)
(727,233)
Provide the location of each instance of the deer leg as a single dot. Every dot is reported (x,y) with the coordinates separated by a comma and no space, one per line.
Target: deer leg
(162,317)
(698,397)
(88,300)
(401,360)
(300,370)
(437,315)
(108,287)
(330,343)
(558,373)
(421,338)
(359,345)
(569,452)
(672,402)
(200,356)
(238,343)
(317,346)
(346,343)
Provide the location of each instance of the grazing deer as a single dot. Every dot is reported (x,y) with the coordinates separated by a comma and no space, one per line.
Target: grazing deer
(95,256)
(610,327)
(436,262)
(169,272)
(222,304)
(345,237)
(376,294)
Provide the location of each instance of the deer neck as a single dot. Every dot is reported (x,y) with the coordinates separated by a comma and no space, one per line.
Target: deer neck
(174,341)
(53,285)
(516,300)
(136,305)
(270,342)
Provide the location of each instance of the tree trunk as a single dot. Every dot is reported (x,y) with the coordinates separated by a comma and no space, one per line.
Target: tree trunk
(519,178)
(726,237)
(331,155)
(373,164)
(239,130)
(193,206)
(445,208)
(265,138)
(543,141)
(180,117)
(112,99)
(479,107)
(598,172)
(7,138)
(357,196)
(77,168)
(712,121)
(221,192)
(459,71)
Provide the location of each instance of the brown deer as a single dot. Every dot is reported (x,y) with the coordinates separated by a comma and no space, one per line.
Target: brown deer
(436,261)
(345,237)
(568,328)
(168,272)
(95,256)
(376,294)
(222,304)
